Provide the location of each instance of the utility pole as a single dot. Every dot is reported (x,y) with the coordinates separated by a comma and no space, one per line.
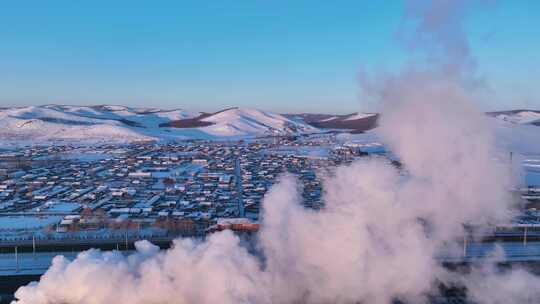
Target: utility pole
(465,245)
(525,236)
(511,163)
(34,246)
(16,259)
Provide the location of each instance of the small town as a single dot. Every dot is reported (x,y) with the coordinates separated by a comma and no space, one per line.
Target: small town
(306,152)
(166,190)
(155,189)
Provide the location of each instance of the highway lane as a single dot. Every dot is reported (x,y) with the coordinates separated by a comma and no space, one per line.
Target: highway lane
(37,263)
(513,252)
(85,241)
(28,263)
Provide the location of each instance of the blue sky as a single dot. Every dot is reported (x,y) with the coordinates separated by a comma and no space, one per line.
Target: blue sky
(285,56)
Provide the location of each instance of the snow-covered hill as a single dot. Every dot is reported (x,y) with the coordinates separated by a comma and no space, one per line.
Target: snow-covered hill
(518,116)
(36,124)
(123,124)
(355,122)
(144,117)
(252,122)
(45,123)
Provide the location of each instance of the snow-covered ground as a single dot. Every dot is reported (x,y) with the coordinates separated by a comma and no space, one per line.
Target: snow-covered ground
(27,222)
(88,124)
(359,116)
(57,206)
(522,117)
(54,123)
(39,124)
(252,122)
(307,151)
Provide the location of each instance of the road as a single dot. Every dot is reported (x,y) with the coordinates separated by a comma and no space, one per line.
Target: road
(83,241)
(239,189)
(513,252)
(29,263)
(37,263)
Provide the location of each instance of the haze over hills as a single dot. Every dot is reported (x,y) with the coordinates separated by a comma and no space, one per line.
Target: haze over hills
(121,123)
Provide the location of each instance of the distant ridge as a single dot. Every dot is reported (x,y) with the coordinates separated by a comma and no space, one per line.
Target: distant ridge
(520,116)
(244,120)
(118,123)
(355,122)
(194,122)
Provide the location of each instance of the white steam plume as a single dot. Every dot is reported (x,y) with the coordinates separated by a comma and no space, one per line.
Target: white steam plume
(379,234)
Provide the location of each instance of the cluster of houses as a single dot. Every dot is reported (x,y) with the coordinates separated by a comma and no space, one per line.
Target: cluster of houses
(186,186)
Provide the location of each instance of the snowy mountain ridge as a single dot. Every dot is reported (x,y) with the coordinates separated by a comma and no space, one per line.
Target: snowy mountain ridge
(124,124)
(518,116)
(116,123)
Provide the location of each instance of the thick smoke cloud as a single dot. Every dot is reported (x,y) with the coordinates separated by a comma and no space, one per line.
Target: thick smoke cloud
(380,233)
(488,284)
(218,270)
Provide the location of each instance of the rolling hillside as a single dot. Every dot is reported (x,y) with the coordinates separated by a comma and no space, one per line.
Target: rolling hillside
(244,122)
(354,123)
(36,124)
(518,116)
(123,124)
